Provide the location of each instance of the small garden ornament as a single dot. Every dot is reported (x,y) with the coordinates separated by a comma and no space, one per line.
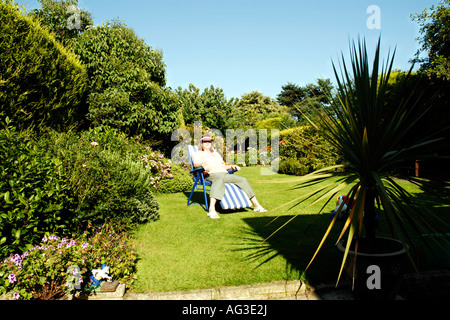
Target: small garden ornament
(100,274)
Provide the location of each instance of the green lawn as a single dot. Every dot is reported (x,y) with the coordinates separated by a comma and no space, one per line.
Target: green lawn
(185,250)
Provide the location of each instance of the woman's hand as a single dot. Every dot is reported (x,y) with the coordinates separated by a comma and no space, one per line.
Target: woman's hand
(206,167)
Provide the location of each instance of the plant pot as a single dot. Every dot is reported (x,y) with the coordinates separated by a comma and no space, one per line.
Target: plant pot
(379,268)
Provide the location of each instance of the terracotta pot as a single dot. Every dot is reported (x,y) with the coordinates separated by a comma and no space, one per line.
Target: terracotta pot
(378,272)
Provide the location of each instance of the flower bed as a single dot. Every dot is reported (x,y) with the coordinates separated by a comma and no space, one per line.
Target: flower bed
(58,266)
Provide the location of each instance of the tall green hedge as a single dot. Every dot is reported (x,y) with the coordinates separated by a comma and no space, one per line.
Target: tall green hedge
(41,82)
(304,150)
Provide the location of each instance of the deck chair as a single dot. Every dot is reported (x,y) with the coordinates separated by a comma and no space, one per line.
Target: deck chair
(234,197)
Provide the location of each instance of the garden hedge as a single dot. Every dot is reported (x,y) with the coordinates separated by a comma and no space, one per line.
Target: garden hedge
(304,150)
(41,82)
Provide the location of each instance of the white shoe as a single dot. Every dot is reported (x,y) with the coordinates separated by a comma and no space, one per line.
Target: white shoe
(213,215)
(260,209)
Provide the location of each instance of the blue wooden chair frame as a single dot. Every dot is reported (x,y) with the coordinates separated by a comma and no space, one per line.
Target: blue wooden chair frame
(234,197)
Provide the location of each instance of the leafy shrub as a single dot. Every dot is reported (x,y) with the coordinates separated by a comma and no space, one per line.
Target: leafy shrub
(292,166)
(144,207)
(41,82)
(64,181)
(278,122)
(179,181)
(112,176)
(304,150)
(34,196)
(253,107)
(44,271)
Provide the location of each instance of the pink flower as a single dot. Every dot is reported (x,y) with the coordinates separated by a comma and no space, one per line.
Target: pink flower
(16,296)
(94,143)
(17,260)
(71,243)
(12,278)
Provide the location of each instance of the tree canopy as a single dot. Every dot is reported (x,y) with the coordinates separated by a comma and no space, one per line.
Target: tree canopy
(253,107)
(65,19)
(435,30)
(127,81)
(307,98)
(211,107)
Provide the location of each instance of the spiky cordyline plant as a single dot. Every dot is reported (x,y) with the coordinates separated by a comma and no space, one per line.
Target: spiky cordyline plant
(372,133)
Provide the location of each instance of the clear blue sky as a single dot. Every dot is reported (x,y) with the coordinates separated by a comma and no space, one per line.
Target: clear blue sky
(246,45)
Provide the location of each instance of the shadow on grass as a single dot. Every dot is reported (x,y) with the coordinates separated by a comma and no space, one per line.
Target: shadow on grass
(296,243)
(197,198)
(298,240)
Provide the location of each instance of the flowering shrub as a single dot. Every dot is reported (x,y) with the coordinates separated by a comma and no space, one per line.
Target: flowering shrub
(181,180)
(50,269)
(111,175)
(159,166)
(111,246)
(59,182)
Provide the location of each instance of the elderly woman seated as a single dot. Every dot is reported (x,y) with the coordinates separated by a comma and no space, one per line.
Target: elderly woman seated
(216,171)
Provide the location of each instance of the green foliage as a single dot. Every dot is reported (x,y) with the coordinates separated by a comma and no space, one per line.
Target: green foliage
(280,123)
(112,176)
(62,182)
(112,245)
(435,27)
(211,107)
(44,271)
(34,196)
(293,166)
(432,116)
(305,101)
(41,82)
(370,130)
(63,18)
(179,180)
(126,82)
(253,107)
(303,149)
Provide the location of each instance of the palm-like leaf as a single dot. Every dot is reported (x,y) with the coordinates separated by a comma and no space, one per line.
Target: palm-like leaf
(370,132)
